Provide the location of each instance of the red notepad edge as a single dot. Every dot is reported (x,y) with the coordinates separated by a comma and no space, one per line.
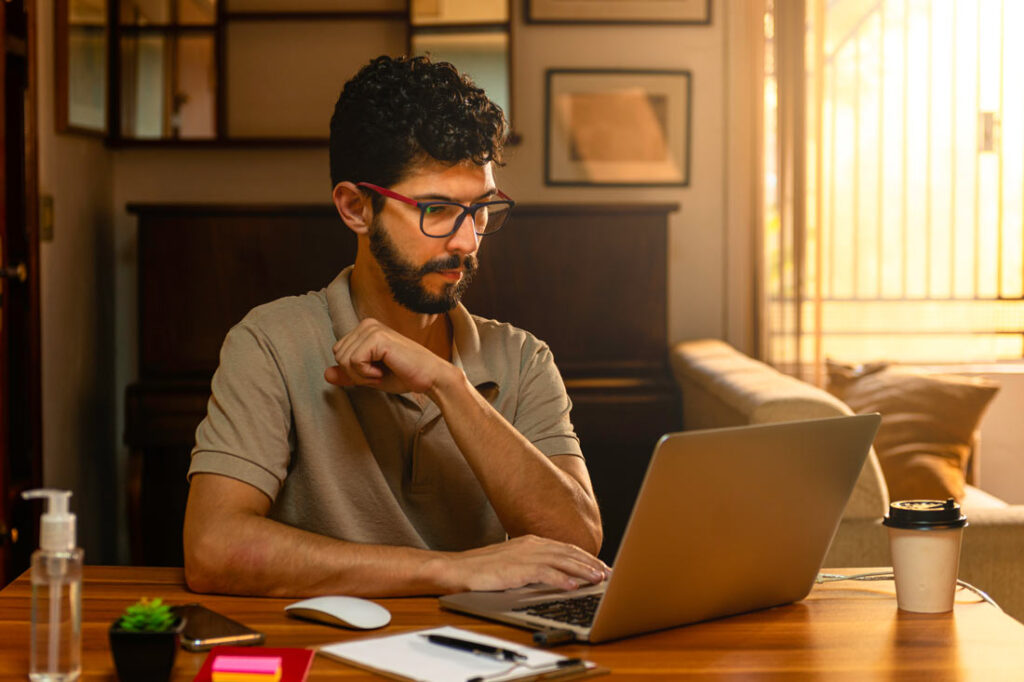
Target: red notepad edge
(295,662)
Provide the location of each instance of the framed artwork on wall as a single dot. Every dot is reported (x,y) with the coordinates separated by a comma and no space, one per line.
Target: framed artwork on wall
(314,6)
(617,127)
(619,12)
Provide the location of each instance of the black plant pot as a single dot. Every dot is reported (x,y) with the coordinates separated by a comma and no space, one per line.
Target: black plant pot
(144,656)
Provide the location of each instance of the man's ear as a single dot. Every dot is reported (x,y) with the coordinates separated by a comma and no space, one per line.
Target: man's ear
(353,206)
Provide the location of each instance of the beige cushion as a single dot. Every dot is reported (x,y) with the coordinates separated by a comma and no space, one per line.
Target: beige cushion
(723,387)
(757,391)
(927,422)
(976,498)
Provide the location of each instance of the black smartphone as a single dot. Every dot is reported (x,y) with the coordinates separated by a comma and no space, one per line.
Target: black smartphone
(205,629)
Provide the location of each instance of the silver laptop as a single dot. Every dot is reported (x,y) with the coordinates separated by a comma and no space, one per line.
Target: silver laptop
(726,521)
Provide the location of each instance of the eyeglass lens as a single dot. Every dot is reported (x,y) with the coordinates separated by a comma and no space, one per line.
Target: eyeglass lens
(442,218)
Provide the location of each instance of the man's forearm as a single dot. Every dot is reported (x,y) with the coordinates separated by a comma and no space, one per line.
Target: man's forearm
(529,493)
(253,555)
(231,547)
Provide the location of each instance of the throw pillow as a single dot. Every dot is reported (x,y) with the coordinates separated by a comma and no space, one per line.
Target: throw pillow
(928,421)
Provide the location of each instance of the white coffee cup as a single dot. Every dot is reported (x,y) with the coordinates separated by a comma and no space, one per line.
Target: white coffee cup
(924,540)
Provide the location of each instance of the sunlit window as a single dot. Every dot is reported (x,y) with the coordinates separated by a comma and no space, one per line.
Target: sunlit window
(911,242)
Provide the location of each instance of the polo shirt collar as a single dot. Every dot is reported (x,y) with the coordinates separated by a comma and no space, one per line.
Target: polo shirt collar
(339,304)
(464,331)
(467,340)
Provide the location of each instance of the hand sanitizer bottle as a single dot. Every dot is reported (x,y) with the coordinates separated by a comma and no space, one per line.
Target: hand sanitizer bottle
(56,648)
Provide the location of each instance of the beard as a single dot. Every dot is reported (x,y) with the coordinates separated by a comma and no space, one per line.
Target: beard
(405,279)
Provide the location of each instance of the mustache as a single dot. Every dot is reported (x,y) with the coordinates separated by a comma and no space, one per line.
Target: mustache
(468,263)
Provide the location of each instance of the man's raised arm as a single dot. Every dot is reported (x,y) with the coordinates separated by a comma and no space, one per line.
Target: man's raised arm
(530,492)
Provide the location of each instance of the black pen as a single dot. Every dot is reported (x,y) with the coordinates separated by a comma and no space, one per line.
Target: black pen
(476,648)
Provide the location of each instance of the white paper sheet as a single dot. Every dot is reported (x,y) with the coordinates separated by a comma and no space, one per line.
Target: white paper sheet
(412,656)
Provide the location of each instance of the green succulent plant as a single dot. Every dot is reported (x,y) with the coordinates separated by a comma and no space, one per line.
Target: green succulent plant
(147,615)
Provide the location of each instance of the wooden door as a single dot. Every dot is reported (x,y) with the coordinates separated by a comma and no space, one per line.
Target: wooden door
(20,425)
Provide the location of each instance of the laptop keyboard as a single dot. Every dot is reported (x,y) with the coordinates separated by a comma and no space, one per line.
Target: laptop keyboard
(576,611)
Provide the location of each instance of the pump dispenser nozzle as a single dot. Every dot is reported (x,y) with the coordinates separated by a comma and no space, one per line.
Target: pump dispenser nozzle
(57,525)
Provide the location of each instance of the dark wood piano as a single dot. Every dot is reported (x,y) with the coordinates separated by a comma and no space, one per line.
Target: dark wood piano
(589,280)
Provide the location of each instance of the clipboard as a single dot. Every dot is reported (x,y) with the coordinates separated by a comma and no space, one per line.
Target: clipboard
(409,656)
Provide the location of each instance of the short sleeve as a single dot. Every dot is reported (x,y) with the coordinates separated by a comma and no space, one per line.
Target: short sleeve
(246,432)
(543,406)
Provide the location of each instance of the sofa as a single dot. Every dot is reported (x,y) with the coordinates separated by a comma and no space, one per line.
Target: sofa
(720,387)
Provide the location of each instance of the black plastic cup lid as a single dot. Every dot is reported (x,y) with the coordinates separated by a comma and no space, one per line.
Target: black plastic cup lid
(925,515)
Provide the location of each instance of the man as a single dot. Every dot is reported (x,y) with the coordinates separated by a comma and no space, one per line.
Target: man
(373,438)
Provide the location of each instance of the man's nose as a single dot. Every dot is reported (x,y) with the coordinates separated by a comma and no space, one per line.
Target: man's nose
(465,239)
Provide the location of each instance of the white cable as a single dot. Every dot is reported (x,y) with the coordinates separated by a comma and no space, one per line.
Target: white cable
(888,575)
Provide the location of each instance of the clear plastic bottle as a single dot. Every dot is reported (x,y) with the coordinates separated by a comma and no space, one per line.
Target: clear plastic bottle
(55,653)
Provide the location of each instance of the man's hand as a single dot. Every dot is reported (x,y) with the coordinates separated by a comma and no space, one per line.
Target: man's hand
(521,561)
(377,356)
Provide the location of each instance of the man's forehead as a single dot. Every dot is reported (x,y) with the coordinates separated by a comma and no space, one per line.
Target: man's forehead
(432,172)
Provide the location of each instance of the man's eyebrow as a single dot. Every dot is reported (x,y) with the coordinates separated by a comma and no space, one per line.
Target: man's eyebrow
(441,197)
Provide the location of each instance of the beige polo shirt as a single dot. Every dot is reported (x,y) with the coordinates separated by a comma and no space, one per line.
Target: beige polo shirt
(357,463)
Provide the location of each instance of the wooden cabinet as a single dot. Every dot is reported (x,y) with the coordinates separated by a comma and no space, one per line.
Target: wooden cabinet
(589,280)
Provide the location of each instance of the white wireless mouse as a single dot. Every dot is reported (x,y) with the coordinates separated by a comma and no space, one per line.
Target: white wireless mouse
(348,612)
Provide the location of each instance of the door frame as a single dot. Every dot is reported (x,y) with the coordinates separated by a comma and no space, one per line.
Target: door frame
(20,314)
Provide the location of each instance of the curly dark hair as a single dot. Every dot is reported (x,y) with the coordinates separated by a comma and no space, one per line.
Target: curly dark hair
(397,112)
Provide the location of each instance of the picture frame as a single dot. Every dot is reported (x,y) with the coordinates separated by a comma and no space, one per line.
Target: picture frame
(696,12)
(315,6)
(617,127)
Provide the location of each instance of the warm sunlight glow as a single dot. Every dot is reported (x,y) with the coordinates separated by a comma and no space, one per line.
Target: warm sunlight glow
(920,207)
(1012,140)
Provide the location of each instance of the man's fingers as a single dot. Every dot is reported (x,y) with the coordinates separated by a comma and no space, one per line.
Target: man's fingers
(531,559)
(361,358)
(556,578)
(357,360)
(573,567)
(335,376)
(582,563)
(562,577)
(368,376)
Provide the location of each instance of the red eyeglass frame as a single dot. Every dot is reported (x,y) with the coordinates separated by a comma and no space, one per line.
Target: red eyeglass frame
(422,205)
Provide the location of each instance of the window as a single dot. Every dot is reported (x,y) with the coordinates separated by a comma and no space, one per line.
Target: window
(894,176)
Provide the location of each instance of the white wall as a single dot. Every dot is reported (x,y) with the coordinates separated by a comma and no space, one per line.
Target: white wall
(696,233)
(1002,437)
(77,317)
(1002,432)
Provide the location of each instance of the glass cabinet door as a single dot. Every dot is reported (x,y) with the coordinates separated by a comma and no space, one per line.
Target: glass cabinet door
(471,34)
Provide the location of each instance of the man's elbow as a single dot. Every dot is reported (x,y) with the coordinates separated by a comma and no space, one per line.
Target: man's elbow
(586,532)
(203,562)
(595,533)
(213,558)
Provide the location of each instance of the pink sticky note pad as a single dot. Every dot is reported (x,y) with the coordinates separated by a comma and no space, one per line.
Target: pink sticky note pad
(257,665)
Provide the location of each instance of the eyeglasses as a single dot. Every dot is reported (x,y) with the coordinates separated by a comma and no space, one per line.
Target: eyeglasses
(444,218)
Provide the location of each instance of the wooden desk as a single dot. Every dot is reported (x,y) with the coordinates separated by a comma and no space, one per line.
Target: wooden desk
(842,631)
